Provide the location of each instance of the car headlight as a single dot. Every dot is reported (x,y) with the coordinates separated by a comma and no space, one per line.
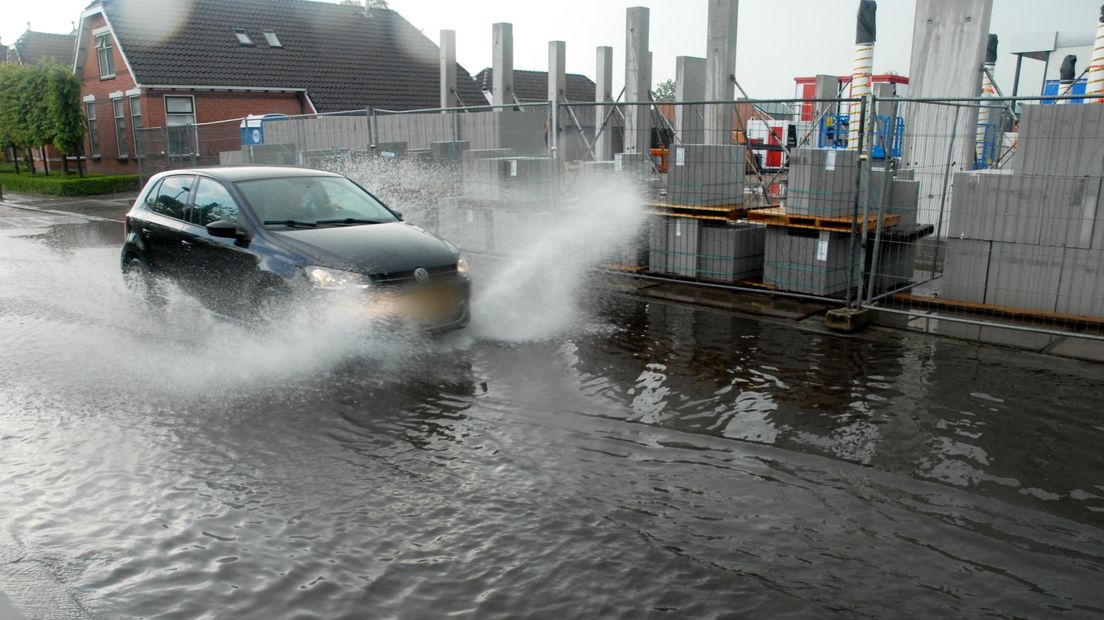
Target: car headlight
(335,279)
(462,266)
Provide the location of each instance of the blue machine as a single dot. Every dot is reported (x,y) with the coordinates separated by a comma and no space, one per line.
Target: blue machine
(887,131)
(1050,87)
(989,145)
(253,127)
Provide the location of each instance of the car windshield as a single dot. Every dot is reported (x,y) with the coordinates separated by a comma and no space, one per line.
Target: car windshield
(311,201)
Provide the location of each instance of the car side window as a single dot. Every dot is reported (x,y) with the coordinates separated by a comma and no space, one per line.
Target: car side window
(212,203)
(172,196)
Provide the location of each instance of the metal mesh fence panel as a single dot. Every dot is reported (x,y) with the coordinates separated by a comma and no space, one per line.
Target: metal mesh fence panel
(1013,207)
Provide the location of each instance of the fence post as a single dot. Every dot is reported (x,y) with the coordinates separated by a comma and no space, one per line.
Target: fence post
(943,198)
(855,209)
(890,171)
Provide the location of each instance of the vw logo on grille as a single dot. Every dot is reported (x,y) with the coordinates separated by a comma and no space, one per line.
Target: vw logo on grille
(420,274)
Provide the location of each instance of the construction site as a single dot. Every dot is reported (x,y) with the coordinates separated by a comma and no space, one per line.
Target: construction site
(934,201)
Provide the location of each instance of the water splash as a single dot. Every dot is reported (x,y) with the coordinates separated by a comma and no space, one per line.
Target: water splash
(532,290)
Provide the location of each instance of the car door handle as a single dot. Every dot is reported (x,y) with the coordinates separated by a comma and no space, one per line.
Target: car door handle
(146,234)
(187,244)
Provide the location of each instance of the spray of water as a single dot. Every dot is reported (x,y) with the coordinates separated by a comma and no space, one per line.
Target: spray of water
(68,322)
(532,288)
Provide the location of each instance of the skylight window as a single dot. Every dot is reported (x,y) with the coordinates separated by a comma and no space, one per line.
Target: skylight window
(243,36)
(271,38)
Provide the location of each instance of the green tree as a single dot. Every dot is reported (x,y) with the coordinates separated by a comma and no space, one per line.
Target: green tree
(9,119)
(664,91)
(33,96)
(64,110)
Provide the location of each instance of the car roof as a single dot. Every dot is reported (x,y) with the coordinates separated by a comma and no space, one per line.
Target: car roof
(233,174)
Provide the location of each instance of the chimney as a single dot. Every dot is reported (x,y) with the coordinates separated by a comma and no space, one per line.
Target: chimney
(1067,75)
(1096,67)
(865,34)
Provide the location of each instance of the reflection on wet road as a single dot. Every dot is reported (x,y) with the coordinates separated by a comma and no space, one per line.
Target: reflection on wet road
(652,460)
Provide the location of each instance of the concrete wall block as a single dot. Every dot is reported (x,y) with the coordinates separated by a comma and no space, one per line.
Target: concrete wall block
(1068,212)
(1081,290)
(1024,276)
(468,227)
(822,182)
(966,270)
(809,261)
(706,174)
(452,151)
(683,246)
(731,252)
(1061,140)
(659,259)
(904,199)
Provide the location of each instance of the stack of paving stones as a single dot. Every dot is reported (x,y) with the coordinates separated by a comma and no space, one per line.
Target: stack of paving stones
(706,175)
(707,250)
(822,184)
(1033,237)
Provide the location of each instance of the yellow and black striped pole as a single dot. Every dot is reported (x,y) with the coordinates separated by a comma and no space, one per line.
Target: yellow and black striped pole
(864,66)
(1095,87)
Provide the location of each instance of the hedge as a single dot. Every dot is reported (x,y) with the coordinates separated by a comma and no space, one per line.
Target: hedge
(59,185)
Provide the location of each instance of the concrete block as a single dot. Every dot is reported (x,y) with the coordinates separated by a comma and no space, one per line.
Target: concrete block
(966,270)
(731,251)
(1067,211)
(1081,290)
(467,226)
(658,256)
(822,182)
(1024,276)
(810,261)
(1061,140)
(904,200)
(449,151)
(683,243)
(996,206)
(706,174)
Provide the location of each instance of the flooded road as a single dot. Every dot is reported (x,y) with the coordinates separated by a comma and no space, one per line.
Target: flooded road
(643,460)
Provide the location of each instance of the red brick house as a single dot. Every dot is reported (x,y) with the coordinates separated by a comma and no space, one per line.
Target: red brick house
(179,63)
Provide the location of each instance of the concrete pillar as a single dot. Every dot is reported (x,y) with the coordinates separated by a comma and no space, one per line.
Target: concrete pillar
(637,126)
(949,38)
(557,75)
(557,90)
(689,86)
(502,91)
(448,69)
(603,91)
(720,69)
(827,87)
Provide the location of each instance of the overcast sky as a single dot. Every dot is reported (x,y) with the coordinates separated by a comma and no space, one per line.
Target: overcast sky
(778,39)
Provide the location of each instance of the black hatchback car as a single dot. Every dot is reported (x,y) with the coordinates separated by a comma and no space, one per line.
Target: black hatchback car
(239,238)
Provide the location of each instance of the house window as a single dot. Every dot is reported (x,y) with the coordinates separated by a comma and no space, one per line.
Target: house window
(93,138)
(136,122)
(103,54)
(120,128)
(243,36)
(271,38)
(180,124)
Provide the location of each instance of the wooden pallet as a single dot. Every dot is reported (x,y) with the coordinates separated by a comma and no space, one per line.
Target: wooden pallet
(777,216)
(1009,312)
(700,212)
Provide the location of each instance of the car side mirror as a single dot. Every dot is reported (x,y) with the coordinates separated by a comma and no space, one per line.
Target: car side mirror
(222,228)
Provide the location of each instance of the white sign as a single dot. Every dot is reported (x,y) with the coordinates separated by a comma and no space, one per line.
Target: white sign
(822,246)
(680,157)
(513,167)
(830,160)
(678,229)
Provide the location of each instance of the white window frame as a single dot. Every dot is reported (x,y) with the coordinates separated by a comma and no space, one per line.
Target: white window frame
(134,101)
(272,39)
(93,137)
(122,149)
(243,37)
(192,124)
(104,44)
